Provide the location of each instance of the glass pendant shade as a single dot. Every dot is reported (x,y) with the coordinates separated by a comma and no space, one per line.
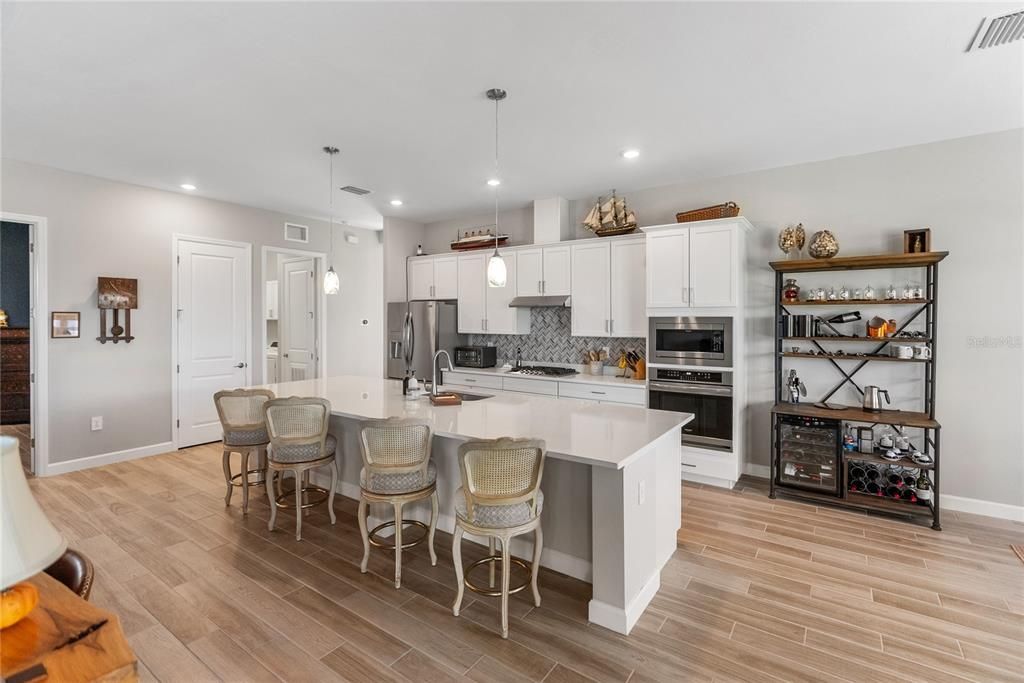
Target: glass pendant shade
(332,283)
(497,273)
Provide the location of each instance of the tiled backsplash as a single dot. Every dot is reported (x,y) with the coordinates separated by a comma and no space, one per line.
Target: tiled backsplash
(551,340)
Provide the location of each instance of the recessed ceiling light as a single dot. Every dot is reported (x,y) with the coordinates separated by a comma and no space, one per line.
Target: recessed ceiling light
(396,202)
(188,186)
(494,182)
(631,154)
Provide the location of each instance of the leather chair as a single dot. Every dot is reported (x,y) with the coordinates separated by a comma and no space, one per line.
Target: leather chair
(75,571)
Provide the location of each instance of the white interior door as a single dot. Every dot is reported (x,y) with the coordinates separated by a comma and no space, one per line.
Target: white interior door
(214,306)
(298,320)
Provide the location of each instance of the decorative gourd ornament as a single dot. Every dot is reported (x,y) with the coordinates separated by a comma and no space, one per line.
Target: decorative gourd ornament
(823,245)
(16,602)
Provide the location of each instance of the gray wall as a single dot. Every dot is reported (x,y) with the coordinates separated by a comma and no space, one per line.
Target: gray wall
(99,227)
(15,296)
(969,191)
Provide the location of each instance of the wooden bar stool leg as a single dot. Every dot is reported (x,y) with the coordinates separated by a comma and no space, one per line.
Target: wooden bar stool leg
(538,543)
(244,455)
(226,464)
(398,545)
(334,486)
(505,576)
(299,481)
(361,514)
(457,560)
(433,526)
(271,475)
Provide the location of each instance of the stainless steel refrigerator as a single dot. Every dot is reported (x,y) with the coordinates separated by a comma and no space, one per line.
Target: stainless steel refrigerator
(413,339)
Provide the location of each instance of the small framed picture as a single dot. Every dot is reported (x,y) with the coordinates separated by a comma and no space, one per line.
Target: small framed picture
(917,241)
(64,324)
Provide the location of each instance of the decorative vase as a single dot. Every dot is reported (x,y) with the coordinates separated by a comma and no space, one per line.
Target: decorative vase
(823,245)
(787,240)
(791,291)
(800,236)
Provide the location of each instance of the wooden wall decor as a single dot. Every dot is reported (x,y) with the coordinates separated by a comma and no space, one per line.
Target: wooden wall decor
(918,241)
(117,294)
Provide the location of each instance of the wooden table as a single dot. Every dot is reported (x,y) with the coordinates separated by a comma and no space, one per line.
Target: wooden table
(65,638)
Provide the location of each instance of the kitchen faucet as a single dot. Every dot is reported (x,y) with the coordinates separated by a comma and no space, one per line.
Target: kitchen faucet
(434,368)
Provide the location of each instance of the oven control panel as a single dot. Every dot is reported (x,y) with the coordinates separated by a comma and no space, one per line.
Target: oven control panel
(693,376)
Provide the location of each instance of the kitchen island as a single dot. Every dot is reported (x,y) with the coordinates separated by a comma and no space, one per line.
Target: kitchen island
(612,495)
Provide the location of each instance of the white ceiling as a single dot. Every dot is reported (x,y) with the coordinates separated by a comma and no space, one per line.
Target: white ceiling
(239,98)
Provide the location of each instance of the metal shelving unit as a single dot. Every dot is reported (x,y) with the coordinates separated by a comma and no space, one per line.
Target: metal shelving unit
(899,419)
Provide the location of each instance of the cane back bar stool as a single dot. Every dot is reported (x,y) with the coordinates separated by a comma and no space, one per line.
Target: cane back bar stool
(500,498)
(397,470)
(245,432)
(299,443)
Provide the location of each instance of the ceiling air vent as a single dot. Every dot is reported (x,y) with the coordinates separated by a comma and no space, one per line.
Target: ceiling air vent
(998,31)
(352,189)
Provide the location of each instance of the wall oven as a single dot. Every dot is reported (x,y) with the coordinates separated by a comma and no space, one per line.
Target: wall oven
(706,394)
(691,341)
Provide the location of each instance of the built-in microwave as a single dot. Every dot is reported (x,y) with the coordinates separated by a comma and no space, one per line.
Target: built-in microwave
(691,341)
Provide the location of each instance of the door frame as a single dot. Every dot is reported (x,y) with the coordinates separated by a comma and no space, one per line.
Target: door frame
(39,335)
(320,263)
(176,240)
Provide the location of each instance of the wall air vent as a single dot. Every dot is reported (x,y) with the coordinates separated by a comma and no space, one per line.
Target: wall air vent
(998,31)
(352,189)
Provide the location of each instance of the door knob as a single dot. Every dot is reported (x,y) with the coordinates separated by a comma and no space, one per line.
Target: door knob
(240,365)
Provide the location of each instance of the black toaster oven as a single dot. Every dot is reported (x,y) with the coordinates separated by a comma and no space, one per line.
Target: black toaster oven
(476,356)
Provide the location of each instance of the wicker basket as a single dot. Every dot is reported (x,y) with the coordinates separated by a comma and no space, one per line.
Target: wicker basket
(727,210)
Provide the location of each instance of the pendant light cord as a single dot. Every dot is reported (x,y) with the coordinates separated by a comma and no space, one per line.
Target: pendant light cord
(330,191)
(496,175)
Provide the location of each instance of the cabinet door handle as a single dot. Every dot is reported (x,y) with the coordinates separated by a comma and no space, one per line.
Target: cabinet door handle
(600,393)
(611,326)
(540,286)
(691,295)
(686,295)
(543,286)
(686,464)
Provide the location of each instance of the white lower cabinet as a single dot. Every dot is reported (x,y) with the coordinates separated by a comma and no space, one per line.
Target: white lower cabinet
(530,386)
(605,393)
(466,379)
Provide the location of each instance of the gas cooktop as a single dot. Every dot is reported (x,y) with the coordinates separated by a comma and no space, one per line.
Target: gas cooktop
(547,370)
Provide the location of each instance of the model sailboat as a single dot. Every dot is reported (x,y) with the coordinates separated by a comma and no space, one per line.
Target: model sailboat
(610,217)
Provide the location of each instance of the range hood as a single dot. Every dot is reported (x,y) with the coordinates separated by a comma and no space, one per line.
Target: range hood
(536,301)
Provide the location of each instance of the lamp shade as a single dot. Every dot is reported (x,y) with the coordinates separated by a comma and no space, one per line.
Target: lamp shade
(497,272)
(332,283)
(29,543)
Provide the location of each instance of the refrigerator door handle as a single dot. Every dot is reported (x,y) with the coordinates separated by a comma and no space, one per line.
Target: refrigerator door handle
(408,339)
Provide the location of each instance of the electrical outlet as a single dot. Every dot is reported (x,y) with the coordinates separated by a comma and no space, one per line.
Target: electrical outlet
(97,423)
(641,492)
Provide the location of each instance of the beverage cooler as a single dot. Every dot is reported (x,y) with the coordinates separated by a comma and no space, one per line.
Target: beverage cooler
(809,454)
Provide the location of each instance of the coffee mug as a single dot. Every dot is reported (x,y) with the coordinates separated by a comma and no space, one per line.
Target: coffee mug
(901,351)
(923,352)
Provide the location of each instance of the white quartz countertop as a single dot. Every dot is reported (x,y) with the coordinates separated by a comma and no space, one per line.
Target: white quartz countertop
(600,435)
(581,378)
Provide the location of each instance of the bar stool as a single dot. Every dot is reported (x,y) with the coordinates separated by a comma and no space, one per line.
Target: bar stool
(245,432)
(299,443)
(500,498)
(397,470)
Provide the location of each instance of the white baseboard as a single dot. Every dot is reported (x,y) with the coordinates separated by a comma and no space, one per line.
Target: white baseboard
(958,503)
(753,470)
(88,462)
(982,507)
(622,620)
(710,481)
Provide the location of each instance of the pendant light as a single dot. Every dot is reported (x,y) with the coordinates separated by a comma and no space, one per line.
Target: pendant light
(332,283)
(497,273)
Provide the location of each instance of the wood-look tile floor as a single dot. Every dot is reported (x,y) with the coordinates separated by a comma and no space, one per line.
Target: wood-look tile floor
(759,590)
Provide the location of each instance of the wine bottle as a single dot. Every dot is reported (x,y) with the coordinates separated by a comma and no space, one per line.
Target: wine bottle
(924,488)
(845,317)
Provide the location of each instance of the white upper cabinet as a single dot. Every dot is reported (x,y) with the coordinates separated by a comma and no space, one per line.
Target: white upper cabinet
(433,278)
(485,309)
(668,268)
(713,264)
(472,276)
(591,289)
(696,266)
(500,318)
(529,271)
(628,310)
(446,277)
(543,271)
(421,279)
(557,270)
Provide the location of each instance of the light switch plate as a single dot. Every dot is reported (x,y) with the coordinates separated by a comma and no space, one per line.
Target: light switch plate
(641,492)
(96,423)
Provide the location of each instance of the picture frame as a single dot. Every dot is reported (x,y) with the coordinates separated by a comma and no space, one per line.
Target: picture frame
(917,241)
(65,325)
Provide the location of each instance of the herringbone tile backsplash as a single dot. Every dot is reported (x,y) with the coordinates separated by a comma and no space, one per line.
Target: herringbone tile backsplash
(551,340)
